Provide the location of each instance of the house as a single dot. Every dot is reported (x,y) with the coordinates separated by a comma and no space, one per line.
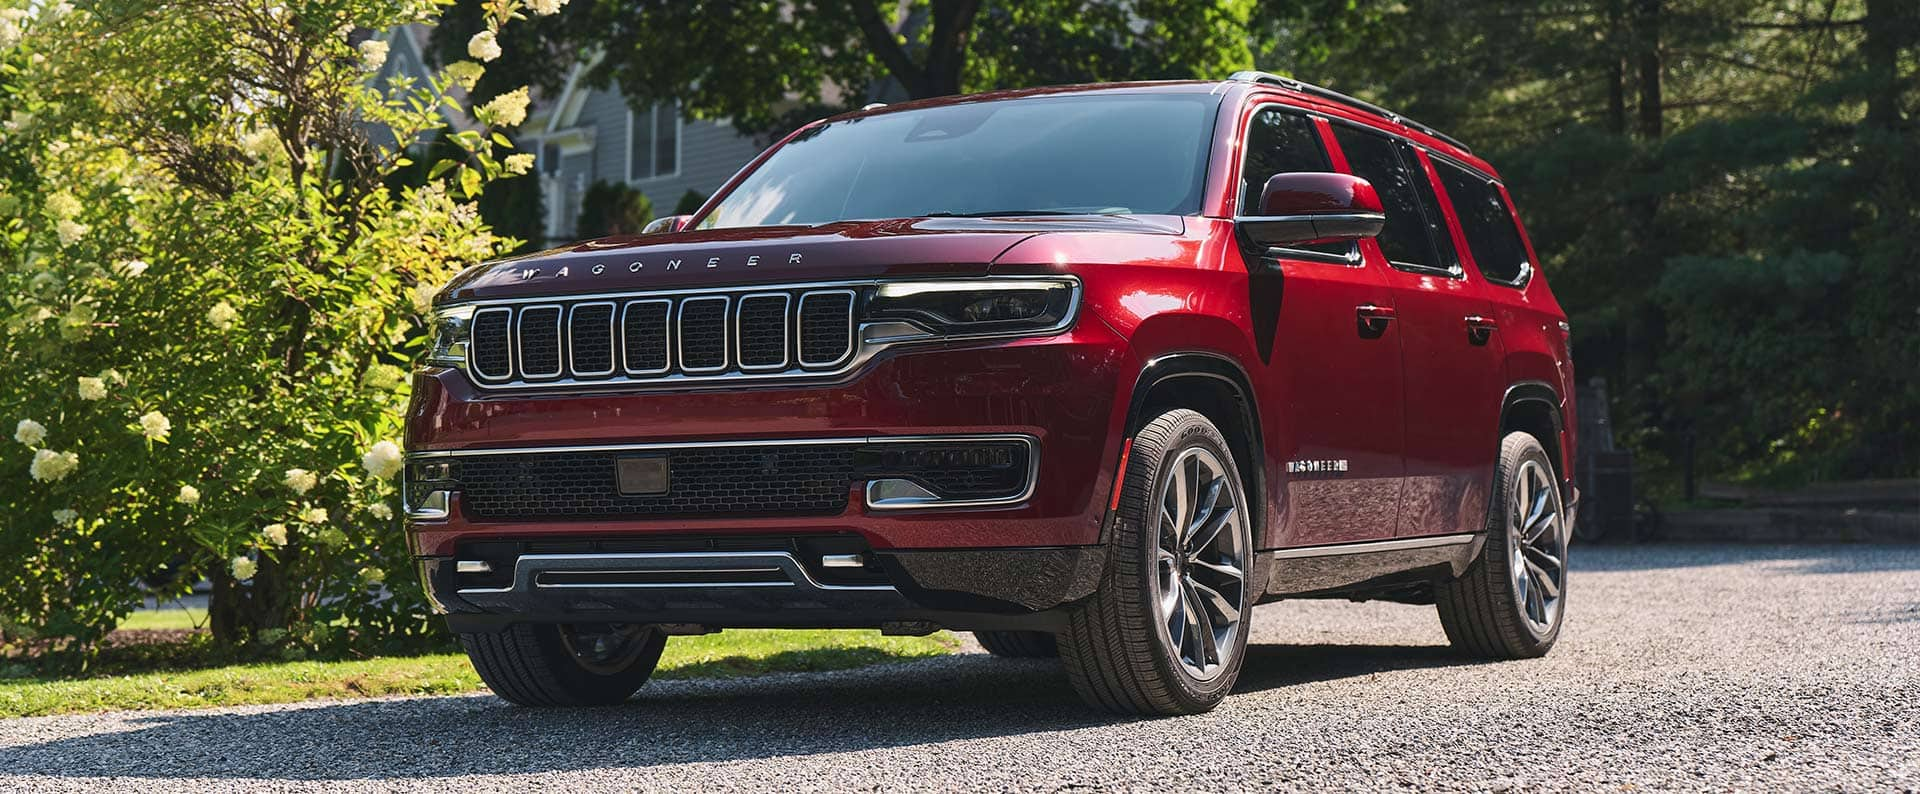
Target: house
(585,135)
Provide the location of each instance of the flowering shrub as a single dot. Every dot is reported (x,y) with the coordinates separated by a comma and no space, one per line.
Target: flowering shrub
(208,301)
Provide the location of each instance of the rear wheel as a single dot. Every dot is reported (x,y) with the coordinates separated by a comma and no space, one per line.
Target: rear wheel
(1510,602)
(1018,644)
(1167,630)
(585,664)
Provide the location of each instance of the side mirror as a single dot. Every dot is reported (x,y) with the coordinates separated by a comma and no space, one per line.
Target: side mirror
(1313,207)
(669,223)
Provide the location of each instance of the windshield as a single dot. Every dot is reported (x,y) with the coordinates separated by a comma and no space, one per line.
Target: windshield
(1090,153)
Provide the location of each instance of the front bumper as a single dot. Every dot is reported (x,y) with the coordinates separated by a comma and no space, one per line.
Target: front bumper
(772,587)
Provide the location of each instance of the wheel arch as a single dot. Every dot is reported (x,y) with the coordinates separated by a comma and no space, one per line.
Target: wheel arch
(1533,407)
(1216,386)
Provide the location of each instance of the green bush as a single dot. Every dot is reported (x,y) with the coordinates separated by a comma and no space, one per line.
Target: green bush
(208,302)
(609,208)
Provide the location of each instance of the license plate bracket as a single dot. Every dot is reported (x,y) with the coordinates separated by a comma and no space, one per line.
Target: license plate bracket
(643,475)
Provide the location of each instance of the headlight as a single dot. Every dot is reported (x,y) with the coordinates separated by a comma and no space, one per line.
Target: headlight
(451,327)
(979,307)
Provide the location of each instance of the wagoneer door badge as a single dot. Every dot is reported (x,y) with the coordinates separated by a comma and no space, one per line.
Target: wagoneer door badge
(1317,466)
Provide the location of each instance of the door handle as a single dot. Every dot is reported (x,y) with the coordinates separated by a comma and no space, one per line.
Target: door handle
(1480,329)
(1373,319)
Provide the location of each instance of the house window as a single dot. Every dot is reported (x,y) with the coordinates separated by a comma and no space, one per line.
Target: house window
(549,159)
(653,142)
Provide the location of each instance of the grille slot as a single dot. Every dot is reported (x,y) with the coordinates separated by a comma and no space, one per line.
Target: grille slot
(703,334)
(762,331)
(826,327)
(590,339)
(664,337)
(491,347)
(645,342)
(540,341)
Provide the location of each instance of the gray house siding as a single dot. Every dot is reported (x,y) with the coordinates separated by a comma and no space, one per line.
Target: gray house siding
(709,153)
(580,137)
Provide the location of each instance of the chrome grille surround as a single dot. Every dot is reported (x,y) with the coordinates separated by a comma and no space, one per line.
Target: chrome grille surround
(862,340)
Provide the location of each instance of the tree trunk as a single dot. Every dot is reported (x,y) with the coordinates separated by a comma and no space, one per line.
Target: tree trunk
(1884,24)
(1616,68)
(1647,57)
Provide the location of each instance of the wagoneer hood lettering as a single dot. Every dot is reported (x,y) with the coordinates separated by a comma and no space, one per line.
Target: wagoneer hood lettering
(735,257)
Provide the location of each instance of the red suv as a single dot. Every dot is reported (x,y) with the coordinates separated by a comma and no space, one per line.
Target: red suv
(1087,371)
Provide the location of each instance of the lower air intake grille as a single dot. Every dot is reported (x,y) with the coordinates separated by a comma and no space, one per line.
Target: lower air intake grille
(797,480)
(727,480)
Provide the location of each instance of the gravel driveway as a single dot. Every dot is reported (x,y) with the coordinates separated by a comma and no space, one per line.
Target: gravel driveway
(1785,668)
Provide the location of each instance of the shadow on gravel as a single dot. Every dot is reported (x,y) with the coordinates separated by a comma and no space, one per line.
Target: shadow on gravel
(1805,559)
(669,722)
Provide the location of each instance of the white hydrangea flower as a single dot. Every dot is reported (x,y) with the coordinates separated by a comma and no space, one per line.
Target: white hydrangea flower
(518,163)
(65,518)
(373,54)
(505,110)
(243,568)
(59,10)
(380,510)
(189,495)
(260,142)
(132,267)
(113,376)
(546,7)
(221,316)
(29,432)
(49,465)
(92,388)
(155,426)
(483,46)
(9,33)
(62,205)
(372,575)
(275,534)
(384,460)
(70,231)
(314,515)
(299,481)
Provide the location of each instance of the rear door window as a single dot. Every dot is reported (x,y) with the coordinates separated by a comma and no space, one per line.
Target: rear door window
(1487,222)
(1415,236)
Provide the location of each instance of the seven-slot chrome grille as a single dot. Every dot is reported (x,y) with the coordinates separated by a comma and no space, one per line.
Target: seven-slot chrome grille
(642,338)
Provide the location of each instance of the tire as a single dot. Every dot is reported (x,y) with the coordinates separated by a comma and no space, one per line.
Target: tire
(537,664)
(1488,612)
(1120,649)
(1019,644)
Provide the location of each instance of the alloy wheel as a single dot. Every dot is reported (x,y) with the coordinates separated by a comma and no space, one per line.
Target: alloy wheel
(605,648)
(1537,547)
(1200,569)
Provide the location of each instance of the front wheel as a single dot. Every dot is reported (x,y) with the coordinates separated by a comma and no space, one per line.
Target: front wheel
(1512,599)
(586,664)
(1167,630)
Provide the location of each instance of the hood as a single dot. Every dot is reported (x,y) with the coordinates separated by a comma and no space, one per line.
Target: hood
(776,254)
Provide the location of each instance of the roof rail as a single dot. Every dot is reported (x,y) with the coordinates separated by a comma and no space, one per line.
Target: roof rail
(1362,105)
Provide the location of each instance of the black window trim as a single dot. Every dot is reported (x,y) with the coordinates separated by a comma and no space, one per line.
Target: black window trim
(1526,265)
(1261,104)
(1458,271)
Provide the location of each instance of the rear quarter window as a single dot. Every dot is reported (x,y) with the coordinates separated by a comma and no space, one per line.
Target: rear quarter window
(1487,221)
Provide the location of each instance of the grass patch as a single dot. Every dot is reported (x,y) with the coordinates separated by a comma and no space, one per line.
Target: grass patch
(167,617)
(725,655)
